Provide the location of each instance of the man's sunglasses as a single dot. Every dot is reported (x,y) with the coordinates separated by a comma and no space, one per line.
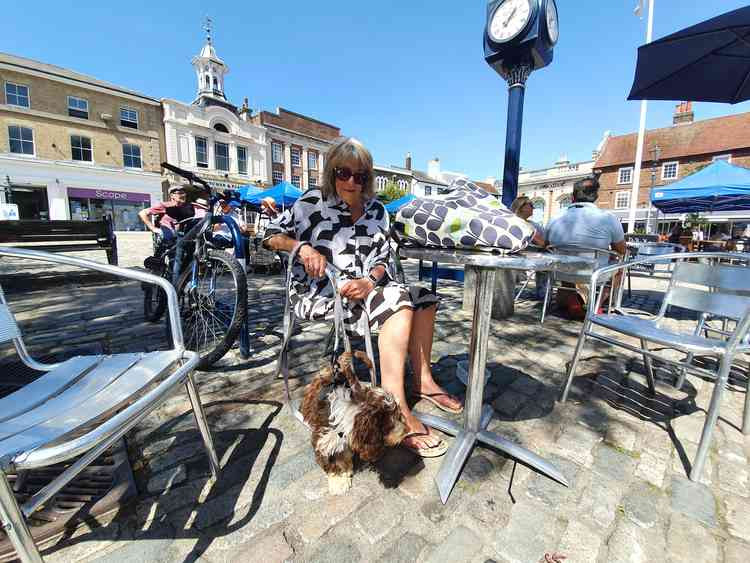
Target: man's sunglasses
(344,173)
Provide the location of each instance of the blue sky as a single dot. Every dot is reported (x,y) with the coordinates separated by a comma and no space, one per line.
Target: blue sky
(401,75)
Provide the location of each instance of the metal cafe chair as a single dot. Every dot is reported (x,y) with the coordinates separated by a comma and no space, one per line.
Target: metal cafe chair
(82,406)
(708,288)
(555,279)
(646,250)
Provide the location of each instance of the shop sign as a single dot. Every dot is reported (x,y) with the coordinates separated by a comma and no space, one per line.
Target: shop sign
(8,212)
(108,194)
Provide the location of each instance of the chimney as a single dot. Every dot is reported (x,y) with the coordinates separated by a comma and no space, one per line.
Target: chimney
(433,168)
(683,113)
(408,161)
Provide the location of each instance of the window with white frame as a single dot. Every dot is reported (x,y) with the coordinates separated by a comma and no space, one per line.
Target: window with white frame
(201,152)
(16,95)
(131,156)
(625,175)
(128,117)
(622,200)
(242,160)
(221,156)
(80,148)
(402,184)
(380,182)
(669,170)
(277,176)
(428,190)
(296,156)
(277,153)
(312,160)
(726,157)
(296,181)
(21,139)
(312,182)
(78,107)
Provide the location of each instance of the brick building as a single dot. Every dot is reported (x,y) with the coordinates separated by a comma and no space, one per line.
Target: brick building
(75,147)
(683,148)
(296,146)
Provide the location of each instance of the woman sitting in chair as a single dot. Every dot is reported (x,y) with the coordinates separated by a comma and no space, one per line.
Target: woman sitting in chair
(343,223)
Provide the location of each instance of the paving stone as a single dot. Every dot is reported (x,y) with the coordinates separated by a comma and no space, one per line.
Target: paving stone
(576,443)
(736,551)
(738,517)
(599,502)
(643,504)
(335,550)
(405,549)
(89,543)
(267,548)
(679,466)
(508,404)
(733,478)
(552,493)
(328,512)
(612,464)
(580,542)
(621,435)
(175,455)
(461,544)
(376,518)
(695,500)
(516,544)
(625,545)
(687,540)
(167,479)
(651,468)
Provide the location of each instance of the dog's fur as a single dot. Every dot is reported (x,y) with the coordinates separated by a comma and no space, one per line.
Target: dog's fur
(348,418)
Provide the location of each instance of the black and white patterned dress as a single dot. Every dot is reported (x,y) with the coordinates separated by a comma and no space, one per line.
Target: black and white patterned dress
(355,248)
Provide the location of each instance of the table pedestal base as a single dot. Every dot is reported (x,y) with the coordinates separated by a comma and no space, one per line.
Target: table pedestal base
(460,450)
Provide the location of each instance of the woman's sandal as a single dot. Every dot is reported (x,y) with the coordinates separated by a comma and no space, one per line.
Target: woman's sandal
(434,451)
(433,398)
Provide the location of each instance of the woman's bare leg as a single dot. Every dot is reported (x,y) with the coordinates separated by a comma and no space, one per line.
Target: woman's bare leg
(393,343)
(420,352)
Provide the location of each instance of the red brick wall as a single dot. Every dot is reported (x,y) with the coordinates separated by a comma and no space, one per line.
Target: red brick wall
(300,123)
(608,185)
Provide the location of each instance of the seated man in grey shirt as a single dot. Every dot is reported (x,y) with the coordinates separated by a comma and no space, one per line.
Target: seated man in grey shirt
(584,224)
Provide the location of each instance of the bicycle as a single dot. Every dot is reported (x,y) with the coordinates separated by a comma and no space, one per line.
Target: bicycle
(211,284)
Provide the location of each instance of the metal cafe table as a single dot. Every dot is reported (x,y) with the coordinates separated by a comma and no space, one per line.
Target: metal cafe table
(476,416)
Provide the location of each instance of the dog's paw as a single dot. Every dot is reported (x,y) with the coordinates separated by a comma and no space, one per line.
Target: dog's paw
(339,483)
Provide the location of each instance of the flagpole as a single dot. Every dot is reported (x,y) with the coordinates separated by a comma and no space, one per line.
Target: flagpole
(641,135)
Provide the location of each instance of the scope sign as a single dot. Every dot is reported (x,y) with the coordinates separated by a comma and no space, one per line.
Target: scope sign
(110,195)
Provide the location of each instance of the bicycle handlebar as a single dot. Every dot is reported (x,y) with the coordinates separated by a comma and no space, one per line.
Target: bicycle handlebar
(190,176)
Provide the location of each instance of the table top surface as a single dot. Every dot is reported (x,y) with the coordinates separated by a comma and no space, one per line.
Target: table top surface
(527,260)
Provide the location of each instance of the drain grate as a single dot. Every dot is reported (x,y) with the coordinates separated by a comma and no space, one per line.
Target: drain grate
(100,489)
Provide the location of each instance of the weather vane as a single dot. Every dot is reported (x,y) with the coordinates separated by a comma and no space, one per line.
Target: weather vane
(207,27)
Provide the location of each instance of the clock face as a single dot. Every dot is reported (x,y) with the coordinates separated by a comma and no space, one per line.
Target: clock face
(553,30)
(509,19)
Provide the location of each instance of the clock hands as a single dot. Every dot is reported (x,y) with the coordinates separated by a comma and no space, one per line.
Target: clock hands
(510,17)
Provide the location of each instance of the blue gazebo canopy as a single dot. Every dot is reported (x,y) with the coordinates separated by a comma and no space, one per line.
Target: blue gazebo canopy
(397,204)
(283,193)
(718,187)
(249,190)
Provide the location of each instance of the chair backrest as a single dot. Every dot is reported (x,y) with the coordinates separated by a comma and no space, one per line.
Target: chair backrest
(719,289)
(8,327)
(597,256)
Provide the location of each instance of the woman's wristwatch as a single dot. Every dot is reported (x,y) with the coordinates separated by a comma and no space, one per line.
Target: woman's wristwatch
(375,281)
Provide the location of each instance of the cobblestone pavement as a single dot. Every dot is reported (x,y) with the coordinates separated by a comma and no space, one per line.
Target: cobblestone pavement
(626,455)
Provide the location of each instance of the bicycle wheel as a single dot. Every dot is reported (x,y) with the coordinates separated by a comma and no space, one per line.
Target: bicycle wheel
(154,302)
(213,305)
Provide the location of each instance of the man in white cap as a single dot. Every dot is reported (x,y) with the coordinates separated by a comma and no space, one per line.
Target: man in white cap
(169,212)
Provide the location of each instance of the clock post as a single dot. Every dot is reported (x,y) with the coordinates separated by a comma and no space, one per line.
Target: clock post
(519,37)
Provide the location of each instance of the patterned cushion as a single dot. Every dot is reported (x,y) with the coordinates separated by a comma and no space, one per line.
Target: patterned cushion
(468,217)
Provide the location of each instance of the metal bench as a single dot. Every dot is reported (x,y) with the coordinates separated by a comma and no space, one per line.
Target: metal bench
(708,288)
(83,405)
(62,236)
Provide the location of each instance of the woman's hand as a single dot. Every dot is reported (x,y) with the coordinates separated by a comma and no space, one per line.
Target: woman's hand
(314,261)
(356,289)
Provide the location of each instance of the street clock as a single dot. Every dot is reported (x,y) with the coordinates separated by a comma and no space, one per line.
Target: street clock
(520,32)
(519,37)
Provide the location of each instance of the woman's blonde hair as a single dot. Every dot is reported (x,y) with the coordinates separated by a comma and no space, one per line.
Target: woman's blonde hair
(347,151)
(518,203)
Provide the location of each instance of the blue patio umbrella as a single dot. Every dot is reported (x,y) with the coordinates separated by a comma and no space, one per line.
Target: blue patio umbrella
(397,204)
(707,62)
(283,193)
(718,187)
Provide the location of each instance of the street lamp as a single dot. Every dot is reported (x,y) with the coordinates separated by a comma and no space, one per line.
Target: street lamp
(655,154)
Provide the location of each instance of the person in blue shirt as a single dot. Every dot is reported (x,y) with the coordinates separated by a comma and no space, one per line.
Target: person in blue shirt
(585,224)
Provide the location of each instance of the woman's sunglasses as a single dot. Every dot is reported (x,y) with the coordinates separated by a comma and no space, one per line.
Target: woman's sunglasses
(344,173)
